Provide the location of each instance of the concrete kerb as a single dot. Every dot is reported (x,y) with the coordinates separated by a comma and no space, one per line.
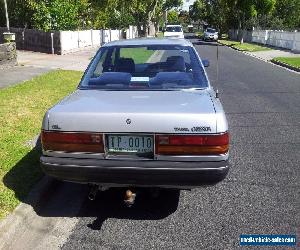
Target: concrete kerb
(39,193)
(283,66)
(10,224)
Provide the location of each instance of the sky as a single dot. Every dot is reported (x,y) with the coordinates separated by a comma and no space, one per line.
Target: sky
(187,3)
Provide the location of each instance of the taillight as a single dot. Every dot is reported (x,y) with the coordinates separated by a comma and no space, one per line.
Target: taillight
(192,144)
(72,142)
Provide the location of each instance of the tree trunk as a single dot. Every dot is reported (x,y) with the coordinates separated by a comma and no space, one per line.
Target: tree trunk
(242,27)
(145,29)
(148,24)
(139,28)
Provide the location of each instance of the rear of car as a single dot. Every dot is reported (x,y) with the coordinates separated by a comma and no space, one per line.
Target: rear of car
(144,114)
(210,35)
(173,31)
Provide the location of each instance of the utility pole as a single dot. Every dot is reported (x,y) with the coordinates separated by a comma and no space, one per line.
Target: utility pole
(8,37)
(6,14)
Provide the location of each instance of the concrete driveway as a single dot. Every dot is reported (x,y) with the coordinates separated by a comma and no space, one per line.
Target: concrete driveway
(73,61)
(13,75)
(31,64)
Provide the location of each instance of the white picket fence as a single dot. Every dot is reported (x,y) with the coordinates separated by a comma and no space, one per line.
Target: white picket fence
(281,39)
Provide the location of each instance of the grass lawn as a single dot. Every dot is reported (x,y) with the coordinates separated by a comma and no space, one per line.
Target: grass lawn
(250,47)
(293,61)
(21,112)
(139,55)
(199,34)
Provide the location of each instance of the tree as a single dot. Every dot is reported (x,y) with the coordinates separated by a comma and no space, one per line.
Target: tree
(61,15)
(243,10)
(49,14)
(216,14)
(82,14)
(173,17)
(111,14)
(184,17)
(170,4)
(288,11)
(134,12)
(148,12)
(20,12)
(198,11)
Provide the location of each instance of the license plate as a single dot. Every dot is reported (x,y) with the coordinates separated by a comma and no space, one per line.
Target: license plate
(130,143)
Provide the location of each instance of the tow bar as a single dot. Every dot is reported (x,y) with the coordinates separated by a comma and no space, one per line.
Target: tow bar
(94,190)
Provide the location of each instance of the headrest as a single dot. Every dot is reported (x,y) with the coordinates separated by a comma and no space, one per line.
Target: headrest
(176,63)
(125,65)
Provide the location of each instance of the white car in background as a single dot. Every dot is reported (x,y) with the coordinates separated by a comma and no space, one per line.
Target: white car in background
(173,31)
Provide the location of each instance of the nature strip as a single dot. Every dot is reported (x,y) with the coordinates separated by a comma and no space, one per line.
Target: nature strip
(285,65)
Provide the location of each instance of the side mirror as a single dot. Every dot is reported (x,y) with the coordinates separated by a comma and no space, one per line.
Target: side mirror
(205,63)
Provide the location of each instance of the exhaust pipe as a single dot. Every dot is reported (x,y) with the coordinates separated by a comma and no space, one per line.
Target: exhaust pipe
(129,198)
(93,192)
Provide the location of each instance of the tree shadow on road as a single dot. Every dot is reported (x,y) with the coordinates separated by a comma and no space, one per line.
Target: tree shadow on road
(190,36)
(201,42)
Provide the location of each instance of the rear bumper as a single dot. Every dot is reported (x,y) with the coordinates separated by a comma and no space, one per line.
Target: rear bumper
(135,173)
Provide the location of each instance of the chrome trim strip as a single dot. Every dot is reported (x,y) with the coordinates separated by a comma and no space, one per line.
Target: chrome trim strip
(83,155)
(222,157)
(136,133)
(78,155)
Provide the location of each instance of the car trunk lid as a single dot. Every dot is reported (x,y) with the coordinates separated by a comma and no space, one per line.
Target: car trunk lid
(178,111)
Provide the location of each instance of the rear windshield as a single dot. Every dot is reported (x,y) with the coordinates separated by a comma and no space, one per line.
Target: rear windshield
(140,67)
(174,29)
(211,30)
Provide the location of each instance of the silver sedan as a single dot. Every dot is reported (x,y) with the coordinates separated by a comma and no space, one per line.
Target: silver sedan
(144,114)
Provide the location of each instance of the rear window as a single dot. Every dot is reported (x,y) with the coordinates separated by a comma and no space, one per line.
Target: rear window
(145,67)
(174,29)
(211,30)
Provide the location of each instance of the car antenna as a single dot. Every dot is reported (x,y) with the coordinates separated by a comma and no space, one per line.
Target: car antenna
(217,81)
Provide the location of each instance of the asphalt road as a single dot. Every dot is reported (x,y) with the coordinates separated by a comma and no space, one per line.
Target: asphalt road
(261,194)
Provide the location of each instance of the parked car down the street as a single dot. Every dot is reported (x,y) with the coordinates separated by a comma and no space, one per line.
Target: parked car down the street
(144,114)
(210,35)
(174,31)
